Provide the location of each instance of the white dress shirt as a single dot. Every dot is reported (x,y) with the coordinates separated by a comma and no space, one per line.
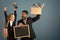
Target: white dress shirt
(25,21)
(11,22)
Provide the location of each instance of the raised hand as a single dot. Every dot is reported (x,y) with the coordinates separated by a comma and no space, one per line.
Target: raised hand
(15,5)
(5,8)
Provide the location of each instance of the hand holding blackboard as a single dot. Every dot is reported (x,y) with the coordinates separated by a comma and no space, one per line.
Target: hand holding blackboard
(20,24)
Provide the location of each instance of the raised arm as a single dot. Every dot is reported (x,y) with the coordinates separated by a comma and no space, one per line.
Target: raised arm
(15,15)
(35,18)
(5,14)
(15,7)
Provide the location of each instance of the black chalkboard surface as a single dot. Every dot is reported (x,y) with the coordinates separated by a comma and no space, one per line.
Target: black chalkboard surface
(21,31)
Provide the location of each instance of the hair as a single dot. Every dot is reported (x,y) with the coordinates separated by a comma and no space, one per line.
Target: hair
(25,11)
(8,18)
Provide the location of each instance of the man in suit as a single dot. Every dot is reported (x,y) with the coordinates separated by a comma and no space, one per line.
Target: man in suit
(28,20)
(10,23)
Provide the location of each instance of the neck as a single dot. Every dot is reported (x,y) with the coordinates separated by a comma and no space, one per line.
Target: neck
(24,18)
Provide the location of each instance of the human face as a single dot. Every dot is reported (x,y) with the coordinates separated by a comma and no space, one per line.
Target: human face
(24,15)
(12,17)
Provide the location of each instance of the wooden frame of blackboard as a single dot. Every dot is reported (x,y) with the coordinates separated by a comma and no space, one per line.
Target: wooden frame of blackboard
(22,36)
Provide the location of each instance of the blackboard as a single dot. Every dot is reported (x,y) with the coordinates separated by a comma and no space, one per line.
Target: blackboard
(21,31)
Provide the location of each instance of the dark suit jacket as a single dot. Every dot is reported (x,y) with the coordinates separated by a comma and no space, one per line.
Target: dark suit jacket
(29,22)
(10,29)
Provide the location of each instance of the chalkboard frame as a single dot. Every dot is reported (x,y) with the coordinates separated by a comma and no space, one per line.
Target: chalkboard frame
(18,29)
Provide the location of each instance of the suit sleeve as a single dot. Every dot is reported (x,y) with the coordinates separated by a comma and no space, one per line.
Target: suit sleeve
(35,18)
(18,23)
(5,14)
(15,15)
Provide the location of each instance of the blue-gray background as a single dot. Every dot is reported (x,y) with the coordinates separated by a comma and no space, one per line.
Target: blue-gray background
(46,28)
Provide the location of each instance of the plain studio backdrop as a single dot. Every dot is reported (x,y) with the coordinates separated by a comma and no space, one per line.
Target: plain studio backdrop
(46,28)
